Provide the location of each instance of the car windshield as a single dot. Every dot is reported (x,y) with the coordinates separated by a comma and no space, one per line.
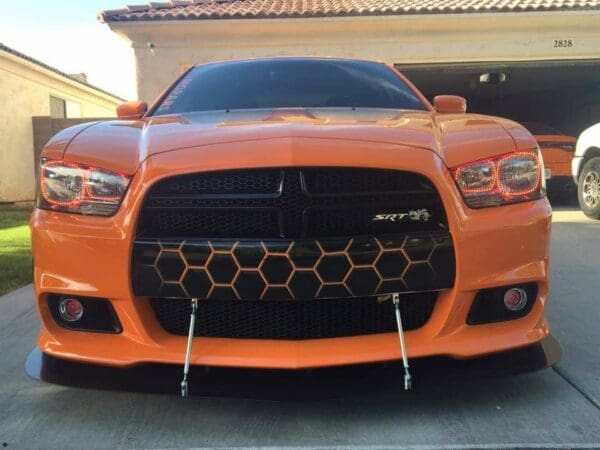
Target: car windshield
(540,128)
(289,83)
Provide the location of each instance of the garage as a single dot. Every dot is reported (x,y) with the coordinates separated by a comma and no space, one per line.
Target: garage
(562,94)
(555,100)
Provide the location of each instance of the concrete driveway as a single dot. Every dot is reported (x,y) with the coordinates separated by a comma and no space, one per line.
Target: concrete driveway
(553,408)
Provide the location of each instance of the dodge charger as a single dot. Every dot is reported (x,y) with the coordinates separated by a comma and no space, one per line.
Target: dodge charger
(290,213)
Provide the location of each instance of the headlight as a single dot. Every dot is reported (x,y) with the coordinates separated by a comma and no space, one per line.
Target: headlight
(78,188)
(566,146)
(511,178)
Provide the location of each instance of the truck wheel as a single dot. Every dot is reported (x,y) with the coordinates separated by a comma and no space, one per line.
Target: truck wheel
(588,189)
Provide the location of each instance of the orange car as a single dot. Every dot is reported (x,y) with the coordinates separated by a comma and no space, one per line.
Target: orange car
(558,151)
(291,213)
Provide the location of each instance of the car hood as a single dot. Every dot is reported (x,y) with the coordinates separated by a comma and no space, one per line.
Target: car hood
(124,144)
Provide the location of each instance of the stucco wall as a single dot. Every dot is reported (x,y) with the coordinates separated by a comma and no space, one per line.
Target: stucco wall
(25,92)
(416,39)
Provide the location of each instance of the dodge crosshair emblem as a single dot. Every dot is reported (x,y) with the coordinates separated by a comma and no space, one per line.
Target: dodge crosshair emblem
(416,215)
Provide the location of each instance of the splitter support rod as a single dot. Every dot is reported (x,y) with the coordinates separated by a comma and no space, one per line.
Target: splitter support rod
(188,350)
(407,377)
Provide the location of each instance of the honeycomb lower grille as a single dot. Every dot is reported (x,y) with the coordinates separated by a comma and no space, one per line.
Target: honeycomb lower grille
(293,320)
(283,269)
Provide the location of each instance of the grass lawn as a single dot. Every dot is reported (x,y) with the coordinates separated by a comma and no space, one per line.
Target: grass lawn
(15,248)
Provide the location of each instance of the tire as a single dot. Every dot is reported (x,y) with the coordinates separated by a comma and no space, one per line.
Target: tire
(588,188)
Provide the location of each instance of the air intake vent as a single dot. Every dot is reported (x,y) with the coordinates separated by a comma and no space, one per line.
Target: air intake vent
(293,320)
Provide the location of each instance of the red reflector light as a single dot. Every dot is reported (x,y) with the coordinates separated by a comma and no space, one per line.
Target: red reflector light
(515,299)
(70,309)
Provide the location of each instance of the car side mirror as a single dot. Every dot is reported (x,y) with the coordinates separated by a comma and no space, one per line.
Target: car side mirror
(131,110)
(449,104)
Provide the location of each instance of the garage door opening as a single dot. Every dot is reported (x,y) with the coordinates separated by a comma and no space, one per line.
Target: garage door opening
(544,96)
(562,94)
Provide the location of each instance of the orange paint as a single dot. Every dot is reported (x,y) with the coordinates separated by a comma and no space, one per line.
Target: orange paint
(557,159)
(91,256)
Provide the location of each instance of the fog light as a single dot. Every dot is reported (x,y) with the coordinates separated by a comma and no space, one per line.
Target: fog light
(70,309)
(502,303)
(515,299)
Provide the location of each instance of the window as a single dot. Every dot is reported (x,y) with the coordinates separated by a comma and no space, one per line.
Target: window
(289,83)
(540,128)
(64,109)
(58,108)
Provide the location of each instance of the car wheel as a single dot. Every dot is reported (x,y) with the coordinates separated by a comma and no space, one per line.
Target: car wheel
(588,189)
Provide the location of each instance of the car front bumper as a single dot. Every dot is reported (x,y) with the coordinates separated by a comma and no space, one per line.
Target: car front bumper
(576,167)
(91,256)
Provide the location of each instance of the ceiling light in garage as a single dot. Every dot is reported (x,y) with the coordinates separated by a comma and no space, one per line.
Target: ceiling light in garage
(492,78)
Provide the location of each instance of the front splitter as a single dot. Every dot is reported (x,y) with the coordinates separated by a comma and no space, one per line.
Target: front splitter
(269,384)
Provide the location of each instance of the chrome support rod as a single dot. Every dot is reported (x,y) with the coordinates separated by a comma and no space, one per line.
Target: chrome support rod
(188,350)
(407,377)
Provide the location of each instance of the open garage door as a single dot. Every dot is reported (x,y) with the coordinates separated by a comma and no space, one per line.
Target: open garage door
(562,94)
(555,100)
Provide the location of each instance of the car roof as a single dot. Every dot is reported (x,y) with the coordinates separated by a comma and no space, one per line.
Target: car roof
(291,58)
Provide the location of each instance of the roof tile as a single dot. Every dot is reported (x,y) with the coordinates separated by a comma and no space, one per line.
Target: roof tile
(232,9)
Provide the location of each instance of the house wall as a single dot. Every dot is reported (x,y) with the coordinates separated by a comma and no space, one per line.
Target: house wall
(410,39)
(25,91)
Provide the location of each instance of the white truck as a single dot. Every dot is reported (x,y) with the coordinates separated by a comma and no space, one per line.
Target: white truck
(586,171)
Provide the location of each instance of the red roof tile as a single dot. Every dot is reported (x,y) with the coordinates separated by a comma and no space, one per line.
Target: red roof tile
(257,9)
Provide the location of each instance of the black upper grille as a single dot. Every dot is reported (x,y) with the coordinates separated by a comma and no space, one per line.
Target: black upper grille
(342,180)
(231,182)
(293,320)
(290,202)
(212,222)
